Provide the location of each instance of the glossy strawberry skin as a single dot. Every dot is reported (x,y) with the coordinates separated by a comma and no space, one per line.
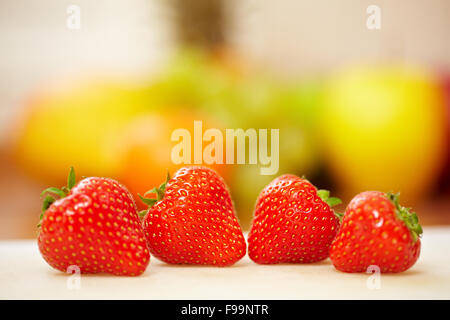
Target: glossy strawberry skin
(195,222)
(291,223)
(96,227)
(371,234)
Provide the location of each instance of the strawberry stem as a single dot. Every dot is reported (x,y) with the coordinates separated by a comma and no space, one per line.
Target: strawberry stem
(71,178)
(325,196)
(56,191)
(406,215)
(331,201)
(339,215)
(142,213)
(53,193)
(159,191)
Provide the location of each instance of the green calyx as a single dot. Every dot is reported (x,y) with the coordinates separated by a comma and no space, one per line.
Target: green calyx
(159,191)
(52,193)
(406,215)
(331,201)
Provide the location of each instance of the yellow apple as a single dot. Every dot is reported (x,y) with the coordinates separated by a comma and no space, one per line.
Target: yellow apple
(382,129)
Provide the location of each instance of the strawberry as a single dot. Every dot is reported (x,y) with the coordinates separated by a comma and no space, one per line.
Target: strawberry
(293,222)
(94,225)
(376,230)
(193,221)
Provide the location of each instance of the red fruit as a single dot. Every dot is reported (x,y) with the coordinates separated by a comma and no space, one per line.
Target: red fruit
(376,230)
(95,227)
(193,220)
(293,222)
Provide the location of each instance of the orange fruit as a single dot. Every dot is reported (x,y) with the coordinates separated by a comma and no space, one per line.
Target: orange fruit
(147,147)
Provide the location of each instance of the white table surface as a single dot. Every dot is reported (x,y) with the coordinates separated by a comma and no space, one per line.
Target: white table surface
(25,275)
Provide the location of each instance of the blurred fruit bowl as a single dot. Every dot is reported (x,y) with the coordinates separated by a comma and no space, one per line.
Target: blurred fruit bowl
(109,127)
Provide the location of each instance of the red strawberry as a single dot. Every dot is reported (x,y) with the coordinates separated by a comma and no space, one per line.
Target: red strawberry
(94,225)
(376,230)
(193,220)
(293,222)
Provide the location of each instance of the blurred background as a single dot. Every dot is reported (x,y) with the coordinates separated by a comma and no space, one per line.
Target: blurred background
(358,109)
